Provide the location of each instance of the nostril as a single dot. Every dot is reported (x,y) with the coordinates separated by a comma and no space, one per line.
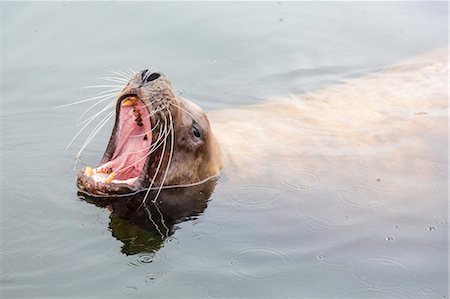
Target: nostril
(147,76)
(143,74)
(152,77)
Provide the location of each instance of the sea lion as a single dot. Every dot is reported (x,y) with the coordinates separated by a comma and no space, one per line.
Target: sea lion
(388,113)
(159,139)
(353,145)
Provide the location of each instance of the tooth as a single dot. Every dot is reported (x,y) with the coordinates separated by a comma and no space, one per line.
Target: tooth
(88,171)
(110,178)
(130,101)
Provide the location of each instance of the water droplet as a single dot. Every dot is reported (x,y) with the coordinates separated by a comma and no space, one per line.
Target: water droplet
(376,286)
(321,257)
(234,263)
(172,241)
(150,278)
(431,228)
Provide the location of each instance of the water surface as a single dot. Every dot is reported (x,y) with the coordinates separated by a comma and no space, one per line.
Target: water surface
(361,227)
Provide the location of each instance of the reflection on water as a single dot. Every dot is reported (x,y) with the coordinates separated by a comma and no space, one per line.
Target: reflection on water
(143,225)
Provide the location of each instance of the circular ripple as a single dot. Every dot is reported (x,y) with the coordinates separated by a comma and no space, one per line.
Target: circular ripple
(335,255)
(7,265)
(317,224)
(434,237)
(301,181)
(259,264)
(373,293)
(248,198)
(147,258)
(358,196)
(427,290)
(202,228)
(217,291)
(382,271)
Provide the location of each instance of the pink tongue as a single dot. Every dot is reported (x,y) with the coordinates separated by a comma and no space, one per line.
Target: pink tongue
(134,142)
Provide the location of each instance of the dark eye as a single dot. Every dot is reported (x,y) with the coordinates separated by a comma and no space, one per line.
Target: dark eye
(196,131)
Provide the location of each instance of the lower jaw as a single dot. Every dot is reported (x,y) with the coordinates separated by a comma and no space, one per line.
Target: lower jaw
(92,187)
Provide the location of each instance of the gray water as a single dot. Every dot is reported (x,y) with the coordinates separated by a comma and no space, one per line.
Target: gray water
(280,241)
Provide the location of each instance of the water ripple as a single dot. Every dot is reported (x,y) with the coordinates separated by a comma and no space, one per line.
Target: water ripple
(301,181)
(381,271)
(335,255)
(218,291)
(433,236)
(358,196)
(147,258)
(260,263)
(204,229)
(373,293)
(253,197)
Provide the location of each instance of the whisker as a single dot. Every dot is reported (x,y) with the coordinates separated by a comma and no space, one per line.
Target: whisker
(170,155)
(114,79)
(85,100)
(158,167)
(116,90)
(151,219)
(183,110)
(94,132)
(101,86)
(132,72)
(99,102)
(120,74)
(167,169)
(145,133)
(109,106)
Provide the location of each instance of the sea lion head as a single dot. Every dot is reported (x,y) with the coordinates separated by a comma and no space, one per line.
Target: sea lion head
(158,139)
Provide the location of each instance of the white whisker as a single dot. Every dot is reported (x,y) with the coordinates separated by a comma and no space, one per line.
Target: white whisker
(151,219)
(114,79)
(158,167)
(101,86)
(86,100)
(184,111)
(110,105)
(99,102)
(170,157)
(94,132)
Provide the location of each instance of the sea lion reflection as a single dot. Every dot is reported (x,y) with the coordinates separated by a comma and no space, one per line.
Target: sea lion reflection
(143,227)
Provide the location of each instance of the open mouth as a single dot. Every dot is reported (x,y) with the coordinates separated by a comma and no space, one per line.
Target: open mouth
(127,153)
